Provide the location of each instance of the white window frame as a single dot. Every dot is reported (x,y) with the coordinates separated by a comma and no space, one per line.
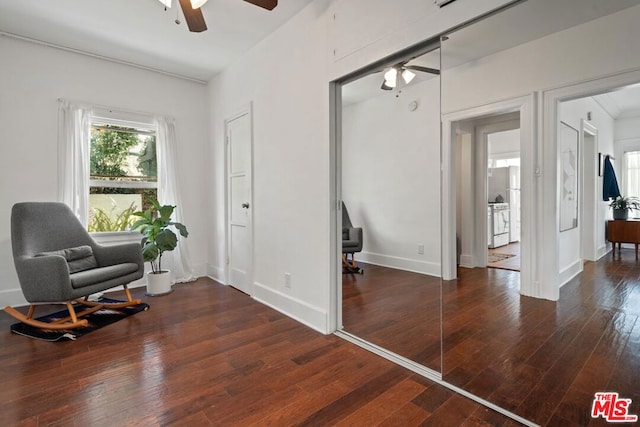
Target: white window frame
(625,169)
(140,122)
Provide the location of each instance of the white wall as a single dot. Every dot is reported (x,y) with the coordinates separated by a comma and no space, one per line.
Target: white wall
(32,77)
(627,128)
(391,179)
(284,77)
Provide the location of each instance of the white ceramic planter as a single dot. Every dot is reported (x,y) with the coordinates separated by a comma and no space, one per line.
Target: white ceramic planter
(159,284)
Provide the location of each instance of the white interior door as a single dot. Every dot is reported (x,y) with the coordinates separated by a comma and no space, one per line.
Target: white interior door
(239,202)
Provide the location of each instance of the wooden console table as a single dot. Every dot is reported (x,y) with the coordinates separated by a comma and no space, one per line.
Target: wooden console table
(623,231)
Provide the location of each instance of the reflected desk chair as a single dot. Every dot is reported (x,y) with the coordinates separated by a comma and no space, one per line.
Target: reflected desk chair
(351,243)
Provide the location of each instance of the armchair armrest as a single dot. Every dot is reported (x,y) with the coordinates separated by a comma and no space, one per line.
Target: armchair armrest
(355,233)
(354,242)
(44,278)
(119,254)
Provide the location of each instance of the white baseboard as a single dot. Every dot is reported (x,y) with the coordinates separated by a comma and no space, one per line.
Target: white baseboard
(215,272)
(416,266)
(570,272)
(313,317)
(602,251)
(467,261)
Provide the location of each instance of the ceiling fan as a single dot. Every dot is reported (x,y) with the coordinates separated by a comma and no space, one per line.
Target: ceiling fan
(403,70)
(193,14)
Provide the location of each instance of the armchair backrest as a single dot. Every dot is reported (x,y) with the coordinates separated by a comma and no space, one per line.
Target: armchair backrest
(45,226)
(346,221)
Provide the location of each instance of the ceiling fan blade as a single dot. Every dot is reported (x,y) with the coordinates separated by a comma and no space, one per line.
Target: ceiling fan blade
(423,69)
(194,17)
(265,4)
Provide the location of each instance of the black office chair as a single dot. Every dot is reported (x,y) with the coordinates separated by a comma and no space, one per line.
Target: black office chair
(351,243)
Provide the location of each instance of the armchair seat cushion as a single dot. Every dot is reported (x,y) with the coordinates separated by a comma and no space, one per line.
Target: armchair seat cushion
(347,244)
(101,274)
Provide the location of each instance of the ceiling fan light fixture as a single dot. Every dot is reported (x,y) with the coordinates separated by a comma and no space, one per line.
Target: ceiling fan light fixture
(407,76)
(166,3)
(391,78)
(196,4)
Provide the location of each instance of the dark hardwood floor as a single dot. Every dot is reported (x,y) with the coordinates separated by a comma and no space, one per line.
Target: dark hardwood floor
(209,355)
(540,359)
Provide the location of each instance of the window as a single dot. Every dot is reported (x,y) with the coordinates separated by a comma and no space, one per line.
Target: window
(632,173)
(122,173)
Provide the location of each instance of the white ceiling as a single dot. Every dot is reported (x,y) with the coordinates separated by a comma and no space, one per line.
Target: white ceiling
(141,32)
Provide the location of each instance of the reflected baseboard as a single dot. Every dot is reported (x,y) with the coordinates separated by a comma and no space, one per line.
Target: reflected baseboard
(427,373)
(399,263)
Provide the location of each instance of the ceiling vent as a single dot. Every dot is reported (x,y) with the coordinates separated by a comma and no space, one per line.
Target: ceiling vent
(443,2)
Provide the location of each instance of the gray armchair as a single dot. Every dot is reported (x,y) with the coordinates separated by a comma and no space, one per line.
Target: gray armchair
(351,243)
(57,261)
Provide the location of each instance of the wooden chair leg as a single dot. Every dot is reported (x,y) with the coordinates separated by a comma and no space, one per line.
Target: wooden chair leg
(44,325)
(350,266)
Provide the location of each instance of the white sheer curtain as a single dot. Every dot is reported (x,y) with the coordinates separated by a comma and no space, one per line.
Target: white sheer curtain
(74,136)
(177,260)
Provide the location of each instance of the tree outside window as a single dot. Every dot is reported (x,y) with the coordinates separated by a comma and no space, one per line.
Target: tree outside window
(123,171)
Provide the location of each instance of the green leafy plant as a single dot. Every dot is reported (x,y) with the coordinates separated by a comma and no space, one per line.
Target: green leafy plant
(156,226)
(102,221)
(622,202)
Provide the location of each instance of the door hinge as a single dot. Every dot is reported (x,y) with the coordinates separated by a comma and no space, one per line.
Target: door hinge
(228,261)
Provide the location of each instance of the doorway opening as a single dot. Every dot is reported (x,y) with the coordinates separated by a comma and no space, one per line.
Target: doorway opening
(466,157)
(488,208)
(503,197)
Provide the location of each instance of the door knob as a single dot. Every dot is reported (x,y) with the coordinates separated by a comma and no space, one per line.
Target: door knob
(245,205)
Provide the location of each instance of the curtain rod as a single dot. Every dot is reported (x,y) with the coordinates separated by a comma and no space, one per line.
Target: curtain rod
(115,109)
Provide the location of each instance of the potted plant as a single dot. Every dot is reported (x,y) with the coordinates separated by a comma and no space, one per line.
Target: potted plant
(156,226)
(621,206)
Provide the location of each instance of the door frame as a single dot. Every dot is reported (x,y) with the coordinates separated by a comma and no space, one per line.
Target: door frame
(588,192)
(550,130)
(530,170)
(245,110)
(482,130)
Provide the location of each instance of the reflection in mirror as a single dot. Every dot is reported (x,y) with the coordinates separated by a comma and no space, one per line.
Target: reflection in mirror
(542,359)
(390,155)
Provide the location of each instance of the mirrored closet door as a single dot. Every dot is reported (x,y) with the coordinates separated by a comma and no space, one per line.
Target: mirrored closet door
(390,155)
(525,340)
